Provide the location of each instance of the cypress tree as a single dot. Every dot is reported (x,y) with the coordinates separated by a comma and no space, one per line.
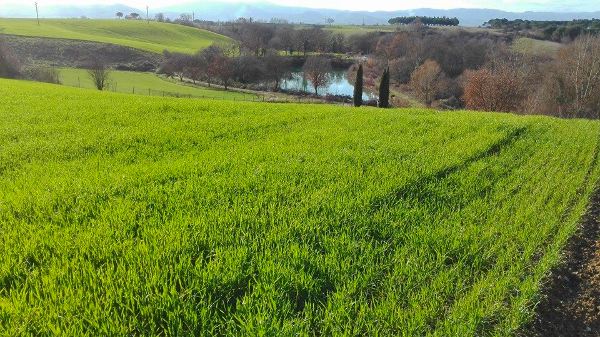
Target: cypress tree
(384,89)
(358,87)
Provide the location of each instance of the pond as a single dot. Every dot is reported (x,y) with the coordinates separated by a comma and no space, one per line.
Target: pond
(338,85)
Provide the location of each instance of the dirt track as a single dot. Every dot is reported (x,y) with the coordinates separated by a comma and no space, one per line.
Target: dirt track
(571,307)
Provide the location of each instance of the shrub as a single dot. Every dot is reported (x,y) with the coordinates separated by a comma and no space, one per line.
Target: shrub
(9,65)
(42,73)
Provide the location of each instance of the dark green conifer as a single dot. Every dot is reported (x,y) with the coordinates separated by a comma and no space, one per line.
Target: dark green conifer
(384,89)
(358,87)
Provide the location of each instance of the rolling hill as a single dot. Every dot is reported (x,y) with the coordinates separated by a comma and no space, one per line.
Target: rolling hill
(154,36)
(133,215)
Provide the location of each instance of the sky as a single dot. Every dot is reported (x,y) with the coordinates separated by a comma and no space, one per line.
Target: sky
(387,5)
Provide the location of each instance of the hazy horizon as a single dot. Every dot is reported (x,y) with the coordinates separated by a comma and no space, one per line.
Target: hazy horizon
(353,5)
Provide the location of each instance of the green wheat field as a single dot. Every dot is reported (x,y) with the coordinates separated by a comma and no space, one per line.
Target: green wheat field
(125,215)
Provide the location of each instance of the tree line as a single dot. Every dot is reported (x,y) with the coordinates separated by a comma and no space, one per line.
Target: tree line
(557,31)
(425,20)
(258,37)
(219,65)
(225,67)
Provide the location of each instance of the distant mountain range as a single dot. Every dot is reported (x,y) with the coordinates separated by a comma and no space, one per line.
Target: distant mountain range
(66,11)
(219,11)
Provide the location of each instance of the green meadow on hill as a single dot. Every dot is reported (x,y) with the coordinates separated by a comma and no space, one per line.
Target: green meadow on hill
(133,215)
(153,36)
(146,84)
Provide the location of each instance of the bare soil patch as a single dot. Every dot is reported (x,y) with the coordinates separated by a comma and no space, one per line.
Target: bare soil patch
(571,306)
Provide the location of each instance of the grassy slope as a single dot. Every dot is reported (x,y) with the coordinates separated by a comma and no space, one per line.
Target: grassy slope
(356,29)
(359,29)
(139,83)
(536,47)
(154,37)
(123,214)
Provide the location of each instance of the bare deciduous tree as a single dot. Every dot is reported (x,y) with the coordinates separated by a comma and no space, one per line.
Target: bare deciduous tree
(425,81)
(277,68)
(195,68)
(571,84)
(501,89)
(178,64)
(99,73)
(208,56)
(223,69)
(317,70)
(581,72)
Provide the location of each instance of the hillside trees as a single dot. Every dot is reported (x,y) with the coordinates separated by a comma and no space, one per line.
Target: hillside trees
(317,70)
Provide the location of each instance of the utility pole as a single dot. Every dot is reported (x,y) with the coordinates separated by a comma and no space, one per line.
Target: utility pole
(193,17)
(147,16)
(37,14)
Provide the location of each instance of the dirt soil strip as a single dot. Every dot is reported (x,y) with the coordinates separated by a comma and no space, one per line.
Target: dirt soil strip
(571,307)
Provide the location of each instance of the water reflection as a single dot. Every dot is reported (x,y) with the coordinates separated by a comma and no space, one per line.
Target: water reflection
(338,84)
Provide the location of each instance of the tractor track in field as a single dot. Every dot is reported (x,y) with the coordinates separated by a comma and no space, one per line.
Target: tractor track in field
(416,186)
(571,306)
